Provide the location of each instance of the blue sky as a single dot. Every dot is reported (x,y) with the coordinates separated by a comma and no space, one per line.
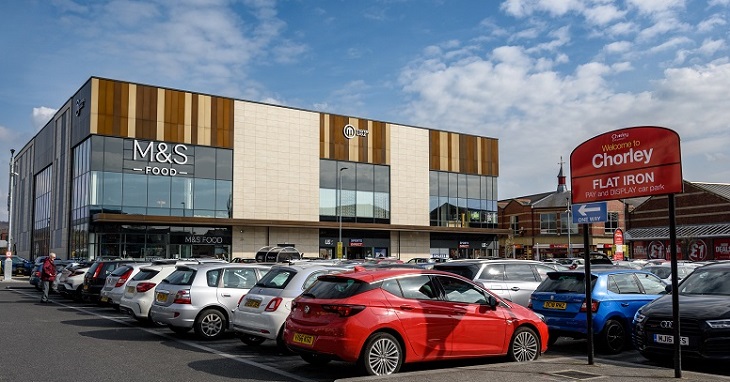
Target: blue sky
(542,76)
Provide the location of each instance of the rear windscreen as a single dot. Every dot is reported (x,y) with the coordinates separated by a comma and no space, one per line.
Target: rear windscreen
(336,287)
(145,274)
(564,283)
(181,277)
(120,271)
(277,278)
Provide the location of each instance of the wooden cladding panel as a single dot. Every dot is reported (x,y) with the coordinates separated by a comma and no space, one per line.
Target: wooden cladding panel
(365,149)
(462,153)
(153,113)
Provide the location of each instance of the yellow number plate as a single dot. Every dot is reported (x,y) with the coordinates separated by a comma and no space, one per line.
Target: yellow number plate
(130,289)
(555,305)
(303,339)
(252,303)
(104,299)
(161,297)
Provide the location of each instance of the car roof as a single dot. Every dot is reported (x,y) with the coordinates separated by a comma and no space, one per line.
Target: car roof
(370,275)
(204,266)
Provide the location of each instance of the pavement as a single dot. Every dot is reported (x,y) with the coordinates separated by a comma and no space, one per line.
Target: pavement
(561,369)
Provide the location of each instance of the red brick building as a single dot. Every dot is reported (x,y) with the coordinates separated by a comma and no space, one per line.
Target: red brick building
(541,226)
(702,220)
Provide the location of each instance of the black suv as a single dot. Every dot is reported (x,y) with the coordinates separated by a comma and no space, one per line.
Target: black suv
(704,317)
(95,277)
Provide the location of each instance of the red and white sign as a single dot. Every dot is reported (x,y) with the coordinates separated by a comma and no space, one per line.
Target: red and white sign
(722,249)
(656,250)
(618,241)
(626,163)
(697,250)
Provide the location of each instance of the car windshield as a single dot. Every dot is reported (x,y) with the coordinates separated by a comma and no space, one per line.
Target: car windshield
(710,281)
(467,271)
(558,282)
(145,274)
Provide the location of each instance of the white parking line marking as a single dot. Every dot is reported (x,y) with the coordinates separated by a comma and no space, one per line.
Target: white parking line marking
(188,343)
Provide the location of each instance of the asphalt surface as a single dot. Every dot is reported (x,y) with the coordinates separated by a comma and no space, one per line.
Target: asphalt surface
(545,369)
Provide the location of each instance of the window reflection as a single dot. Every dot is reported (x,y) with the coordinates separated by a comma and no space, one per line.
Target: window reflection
(365,192)
(462,200)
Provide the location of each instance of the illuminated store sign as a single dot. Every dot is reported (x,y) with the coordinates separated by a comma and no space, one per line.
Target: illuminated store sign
(351,132)
(158,155)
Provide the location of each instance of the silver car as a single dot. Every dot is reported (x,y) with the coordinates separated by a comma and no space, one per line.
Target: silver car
(261,313)
(203,296)
(511,279)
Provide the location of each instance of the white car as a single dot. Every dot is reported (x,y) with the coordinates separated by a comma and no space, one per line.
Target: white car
(139,292)
(116,282)
(71,280)
(261,313)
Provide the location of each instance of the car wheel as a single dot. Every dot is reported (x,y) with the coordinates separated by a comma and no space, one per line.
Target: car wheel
(315,359)
(178,329)
(210,324)
(252,340)
(525,345)
(381,355)
(613,337)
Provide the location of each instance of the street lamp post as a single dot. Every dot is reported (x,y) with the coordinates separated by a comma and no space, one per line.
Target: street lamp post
(8,267)
(569,211)
(339,210)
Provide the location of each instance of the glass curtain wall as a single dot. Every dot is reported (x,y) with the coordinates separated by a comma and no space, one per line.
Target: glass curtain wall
(42,212)
(463,200)
(365,192)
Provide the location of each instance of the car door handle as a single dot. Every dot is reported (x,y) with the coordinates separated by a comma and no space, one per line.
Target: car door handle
(624,304)
(459,312)
(406,307)
(225,295)
(515,289)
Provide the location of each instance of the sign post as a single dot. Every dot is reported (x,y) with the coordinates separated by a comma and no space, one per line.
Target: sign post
(628,163)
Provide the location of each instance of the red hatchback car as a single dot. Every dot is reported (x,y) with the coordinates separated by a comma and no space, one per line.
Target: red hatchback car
(383,318)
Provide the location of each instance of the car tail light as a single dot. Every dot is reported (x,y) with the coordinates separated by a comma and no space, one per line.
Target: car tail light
(240,299)
(97,271)
(182,297)
(144,287)
(273,304)
(344,310)
(123,278)
(594,306)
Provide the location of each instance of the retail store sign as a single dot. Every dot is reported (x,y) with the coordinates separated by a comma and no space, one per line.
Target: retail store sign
(351,132)
(160,156)
(356,243)
(626,163)
(199,239)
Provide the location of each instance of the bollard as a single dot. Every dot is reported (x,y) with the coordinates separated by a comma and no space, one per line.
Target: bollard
(8,269)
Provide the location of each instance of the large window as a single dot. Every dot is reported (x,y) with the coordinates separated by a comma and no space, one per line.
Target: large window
(357,192)
(612,223)
(462,200)
(566,223)
(42,212)
(548,224)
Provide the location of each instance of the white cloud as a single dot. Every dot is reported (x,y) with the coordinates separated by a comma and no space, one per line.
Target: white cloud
(603,14)
(710,47)
(711,22)
(618,47)
(41,116)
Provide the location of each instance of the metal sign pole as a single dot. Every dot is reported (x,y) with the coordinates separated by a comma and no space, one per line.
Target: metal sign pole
(589,297)
(675,291)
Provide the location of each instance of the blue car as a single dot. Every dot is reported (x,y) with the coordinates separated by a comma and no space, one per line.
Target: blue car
(616,296)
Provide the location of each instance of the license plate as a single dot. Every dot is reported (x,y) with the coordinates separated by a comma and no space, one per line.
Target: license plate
(252,303)
(130,289)
(86,287)
(555,305)
(669,339)
(161,297)
(104,299)
(304,339)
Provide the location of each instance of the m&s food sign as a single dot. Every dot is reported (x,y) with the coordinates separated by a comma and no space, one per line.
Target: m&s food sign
(626,163)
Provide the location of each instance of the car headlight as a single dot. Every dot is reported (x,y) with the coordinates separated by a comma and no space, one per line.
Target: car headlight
(718,324)
(639,317)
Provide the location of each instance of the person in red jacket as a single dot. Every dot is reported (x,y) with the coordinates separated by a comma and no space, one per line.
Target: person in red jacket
(48,275)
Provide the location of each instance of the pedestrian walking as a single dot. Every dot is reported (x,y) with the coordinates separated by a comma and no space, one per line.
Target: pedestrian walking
(48,275)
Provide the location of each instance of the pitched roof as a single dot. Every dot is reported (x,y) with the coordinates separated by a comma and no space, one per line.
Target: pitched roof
(720,189)
(683,231)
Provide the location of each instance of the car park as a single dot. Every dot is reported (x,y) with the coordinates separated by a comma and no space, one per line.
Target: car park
(664,271)
(510,279)
(95,277)
(116,282)
(381,319)
(203,296)
(261,313)
(704,316)
(616,295)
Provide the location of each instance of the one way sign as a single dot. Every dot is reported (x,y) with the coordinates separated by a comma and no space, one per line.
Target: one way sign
(589,213)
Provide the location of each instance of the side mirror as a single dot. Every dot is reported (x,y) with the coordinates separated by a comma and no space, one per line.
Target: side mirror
(668,288)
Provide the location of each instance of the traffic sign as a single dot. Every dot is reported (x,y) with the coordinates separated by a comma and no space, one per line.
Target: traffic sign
(589,213)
